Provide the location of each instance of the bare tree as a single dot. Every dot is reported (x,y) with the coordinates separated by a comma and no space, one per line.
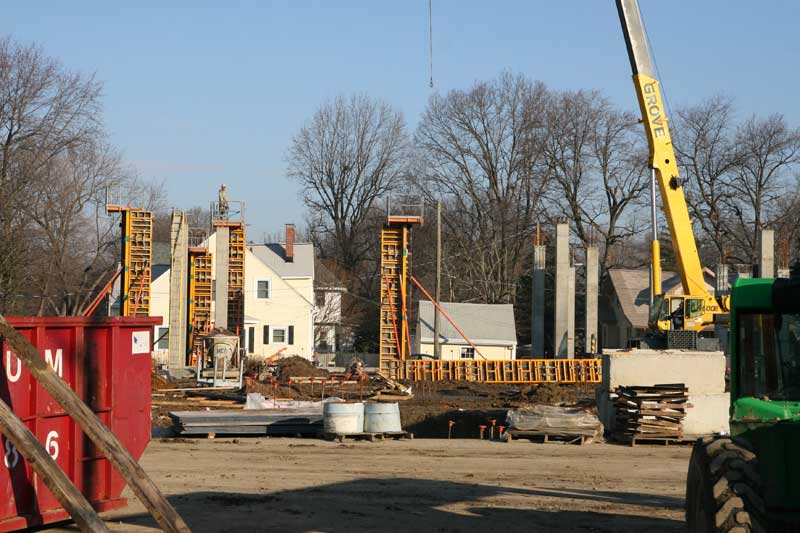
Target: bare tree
(44,111)
(479,151)
(597,161)
(350,154)
(78,244)
(768,151)
(708,157)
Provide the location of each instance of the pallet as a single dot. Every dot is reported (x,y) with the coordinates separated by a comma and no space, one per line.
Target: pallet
(545,438)
(664,441)
(370,436)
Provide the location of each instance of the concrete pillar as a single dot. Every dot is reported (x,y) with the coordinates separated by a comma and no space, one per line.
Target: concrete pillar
(178,290)
(571,313)
(221,261)
(561,322)
(766,254)
(721,281)
(537,302)
(592,281)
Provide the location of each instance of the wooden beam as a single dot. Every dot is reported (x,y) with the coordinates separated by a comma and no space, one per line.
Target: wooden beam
(48,471)
(133,474)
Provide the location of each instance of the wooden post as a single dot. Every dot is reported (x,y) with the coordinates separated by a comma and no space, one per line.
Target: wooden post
(48,471)
(133,474)
(437,347)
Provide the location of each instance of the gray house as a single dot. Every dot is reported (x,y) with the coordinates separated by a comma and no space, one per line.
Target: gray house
(489,326)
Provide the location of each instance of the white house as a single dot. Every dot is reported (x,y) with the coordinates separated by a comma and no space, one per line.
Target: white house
(489,326)
(278,299)
(330,335)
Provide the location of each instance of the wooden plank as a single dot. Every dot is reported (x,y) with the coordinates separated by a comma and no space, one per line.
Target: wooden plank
(49,472)
(108,444)
(198,389)
(246,413)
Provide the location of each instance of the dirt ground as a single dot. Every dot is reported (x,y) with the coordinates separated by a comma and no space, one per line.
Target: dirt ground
(305,485)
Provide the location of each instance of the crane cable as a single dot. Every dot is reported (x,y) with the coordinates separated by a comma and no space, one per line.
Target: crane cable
(430,42)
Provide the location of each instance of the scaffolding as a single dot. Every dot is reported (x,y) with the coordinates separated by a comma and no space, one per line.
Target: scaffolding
(236,252)
(137,251)
(505,371)
(395,336)
(200,292)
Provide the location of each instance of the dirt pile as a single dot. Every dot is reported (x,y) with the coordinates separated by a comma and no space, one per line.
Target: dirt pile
(296,366)
(158,382)
(471,405)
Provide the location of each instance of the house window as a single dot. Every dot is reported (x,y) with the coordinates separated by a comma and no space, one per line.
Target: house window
(279,335)
(467,352)
(262,289)
(163,339)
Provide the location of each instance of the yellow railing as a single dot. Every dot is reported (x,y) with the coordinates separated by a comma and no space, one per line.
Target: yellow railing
(505,371)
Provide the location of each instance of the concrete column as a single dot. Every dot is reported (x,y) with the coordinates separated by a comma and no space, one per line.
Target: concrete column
(722,286)
(537,302)
(178,290)
(561,322)
(766,254)
(592,283)
(571,313)
(221,261)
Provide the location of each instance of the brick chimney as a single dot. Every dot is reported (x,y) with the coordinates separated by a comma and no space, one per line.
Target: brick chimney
(289,243)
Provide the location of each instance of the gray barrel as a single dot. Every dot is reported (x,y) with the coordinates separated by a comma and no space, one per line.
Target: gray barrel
(343,417)
(382,417)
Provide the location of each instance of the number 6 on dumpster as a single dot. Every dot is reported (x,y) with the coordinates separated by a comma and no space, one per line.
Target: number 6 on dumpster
(51,445)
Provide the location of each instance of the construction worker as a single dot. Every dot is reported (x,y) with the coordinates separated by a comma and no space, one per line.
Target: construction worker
(223,201)
(677,317)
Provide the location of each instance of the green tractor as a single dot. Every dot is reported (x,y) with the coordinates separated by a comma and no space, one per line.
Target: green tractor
(750,481)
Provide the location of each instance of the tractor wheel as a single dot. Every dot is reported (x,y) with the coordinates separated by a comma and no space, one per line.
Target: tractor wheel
(723,489)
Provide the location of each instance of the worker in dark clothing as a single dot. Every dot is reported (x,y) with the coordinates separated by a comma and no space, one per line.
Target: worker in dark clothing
(677,317)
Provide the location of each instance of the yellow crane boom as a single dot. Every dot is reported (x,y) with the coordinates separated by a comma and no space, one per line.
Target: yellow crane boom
(698,306)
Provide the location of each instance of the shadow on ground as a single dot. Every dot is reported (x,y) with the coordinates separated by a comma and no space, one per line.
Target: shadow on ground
(417,505)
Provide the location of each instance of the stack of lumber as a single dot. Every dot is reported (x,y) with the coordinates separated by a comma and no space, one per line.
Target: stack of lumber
(248,422)
(650,413)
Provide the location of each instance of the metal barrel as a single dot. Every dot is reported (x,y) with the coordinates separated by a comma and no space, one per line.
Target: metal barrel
(343,417)
(382,417)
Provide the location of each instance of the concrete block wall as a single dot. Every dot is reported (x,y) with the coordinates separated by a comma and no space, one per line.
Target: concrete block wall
(702,372)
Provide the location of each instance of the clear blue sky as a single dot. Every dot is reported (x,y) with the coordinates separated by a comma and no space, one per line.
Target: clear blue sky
(202,92)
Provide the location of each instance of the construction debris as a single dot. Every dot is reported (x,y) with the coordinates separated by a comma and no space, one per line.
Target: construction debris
(650,413)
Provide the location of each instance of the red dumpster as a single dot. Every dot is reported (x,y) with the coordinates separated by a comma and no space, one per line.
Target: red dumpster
(107,363)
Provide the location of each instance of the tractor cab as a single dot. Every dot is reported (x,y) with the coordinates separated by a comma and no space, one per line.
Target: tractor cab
(765,382)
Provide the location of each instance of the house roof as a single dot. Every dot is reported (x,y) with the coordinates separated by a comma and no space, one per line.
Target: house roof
(632,289)
(482,323)
(274,256)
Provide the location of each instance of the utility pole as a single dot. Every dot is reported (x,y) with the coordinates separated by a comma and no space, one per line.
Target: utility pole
(437,349)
